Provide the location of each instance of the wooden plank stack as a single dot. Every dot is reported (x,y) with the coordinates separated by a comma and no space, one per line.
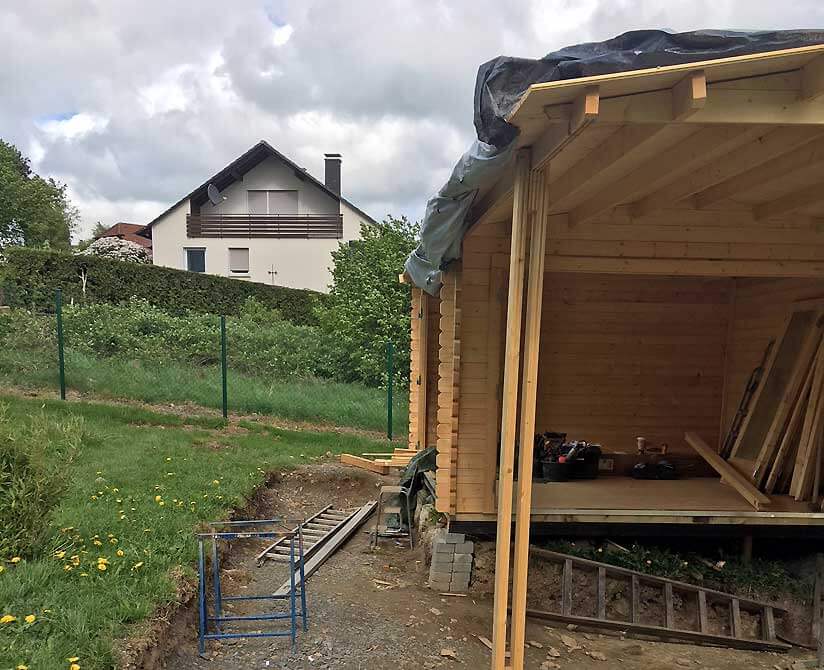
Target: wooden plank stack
(382,464)
(791,407)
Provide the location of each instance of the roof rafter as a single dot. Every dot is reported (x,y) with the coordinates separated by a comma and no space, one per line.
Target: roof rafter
(689,95)
(770,143)
(790,202)
(809,155)
(696,150)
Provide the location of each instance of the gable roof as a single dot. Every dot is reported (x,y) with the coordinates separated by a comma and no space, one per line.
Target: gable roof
(243,164)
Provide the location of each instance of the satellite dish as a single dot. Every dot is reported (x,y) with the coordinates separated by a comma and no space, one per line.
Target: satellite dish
(214,195)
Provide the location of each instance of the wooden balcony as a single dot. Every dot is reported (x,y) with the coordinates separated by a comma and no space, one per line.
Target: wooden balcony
(290,226)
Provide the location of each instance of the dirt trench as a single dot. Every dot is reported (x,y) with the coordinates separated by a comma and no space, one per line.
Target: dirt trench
(372,610)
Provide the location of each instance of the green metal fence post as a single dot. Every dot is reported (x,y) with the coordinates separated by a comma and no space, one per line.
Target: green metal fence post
(61,361)
(390,350)
(223,366)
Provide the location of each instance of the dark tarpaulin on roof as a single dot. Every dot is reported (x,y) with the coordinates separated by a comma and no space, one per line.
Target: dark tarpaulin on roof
(502,81)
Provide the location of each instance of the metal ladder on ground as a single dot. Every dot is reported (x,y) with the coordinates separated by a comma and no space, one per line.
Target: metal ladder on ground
(316,530)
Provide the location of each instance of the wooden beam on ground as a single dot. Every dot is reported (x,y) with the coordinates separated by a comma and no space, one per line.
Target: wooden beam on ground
(734,478)
(808,156)
(509,405)
(529,394)
(812,79)
(689,95)
(769,144)
(364,464)
(697,150)
(789,203)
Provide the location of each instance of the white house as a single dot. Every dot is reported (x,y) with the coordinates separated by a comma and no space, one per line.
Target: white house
(274,223)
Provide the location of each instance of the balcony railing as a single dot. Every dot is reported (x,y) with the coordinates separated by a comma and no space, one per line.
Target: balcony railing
(296,226)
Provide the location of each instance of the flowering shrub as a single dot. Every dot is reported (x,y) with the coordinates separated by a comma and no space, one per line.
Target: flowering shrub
(121,250)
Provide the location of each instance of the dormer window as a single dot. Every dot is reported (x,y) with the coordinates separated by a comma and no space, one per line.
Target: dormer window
(273,202)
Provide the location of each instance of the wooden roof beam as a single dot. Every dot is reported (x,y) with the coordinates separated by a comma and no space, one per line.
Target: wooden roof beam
(722,106)
(812,79)
(696,150)
(808,156)
(689,95)
(768,144)
(791,202)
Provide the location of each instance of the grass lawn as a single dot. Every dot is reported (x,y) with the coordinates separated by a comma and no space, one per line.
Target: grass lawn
(316,401)
(138,486)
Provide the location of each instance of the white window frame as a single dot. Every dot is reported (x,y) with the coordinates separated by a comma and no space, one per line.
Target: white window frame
(186,251)
(239,273)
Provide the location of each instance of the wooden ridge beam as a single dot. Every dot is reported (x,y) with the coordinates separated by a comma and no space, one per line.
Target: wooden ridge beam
(810,155)
(769,144)
(696,150)
(791,202)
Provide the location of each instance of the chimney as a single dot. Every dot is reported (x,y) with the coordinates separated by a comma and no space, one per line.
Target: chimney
(332,176)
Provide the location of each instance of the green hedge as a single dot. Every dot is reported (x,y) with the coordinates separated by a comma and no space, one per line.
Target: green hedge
(29,277)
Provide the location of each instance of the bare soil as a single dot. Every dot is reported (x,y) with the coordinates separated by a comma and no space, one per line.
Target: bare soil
(372,610)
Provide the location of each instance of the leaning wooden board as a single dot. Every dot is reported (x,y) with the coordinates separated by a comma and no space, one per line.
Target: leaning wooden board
(732,476)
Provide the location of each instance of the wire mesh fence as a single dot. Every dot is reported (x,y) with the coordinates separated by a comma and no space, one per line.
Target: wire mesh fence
(236,364)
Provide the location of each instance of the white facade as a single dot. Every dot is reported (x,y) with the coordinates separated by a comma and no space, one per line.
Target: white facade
(297,263)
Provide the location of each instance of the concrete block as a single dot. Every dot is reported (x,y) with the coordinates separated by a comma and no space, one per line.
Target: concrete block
(442,559)
(440,585)
(462,559)
(465,548)
(444,548)
(459,585)
(453,538)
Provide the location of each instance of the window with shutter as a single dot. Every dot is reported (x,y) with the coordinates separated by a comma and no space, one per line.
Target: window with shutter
(239,261)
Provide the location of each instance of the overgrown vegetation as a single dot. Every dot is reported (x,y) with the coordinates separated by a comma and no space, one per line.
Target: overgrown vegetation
(138,351)
(120,534)
(29,278)
(33,460)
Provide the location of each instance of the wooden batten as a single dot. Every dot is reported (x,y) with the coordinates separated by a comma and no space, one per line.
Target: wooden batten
(418,370)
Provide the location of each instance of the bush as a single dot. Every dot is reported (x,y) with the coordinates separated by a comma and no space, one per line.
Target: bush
(367,305)
(29,278)
(121,250)
(34,456)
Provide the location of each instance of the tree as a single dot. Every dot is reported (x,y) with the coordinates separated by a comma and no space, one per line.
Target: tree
(367,305)
(33,211)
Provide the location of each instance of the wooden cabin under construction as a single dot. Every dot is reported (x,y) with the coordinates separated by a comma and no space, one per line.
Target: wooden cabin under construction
(656,230)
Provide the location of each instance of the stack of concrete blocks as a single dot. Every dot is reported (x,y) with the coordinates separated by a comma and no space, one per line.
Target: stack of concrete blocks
(451,568)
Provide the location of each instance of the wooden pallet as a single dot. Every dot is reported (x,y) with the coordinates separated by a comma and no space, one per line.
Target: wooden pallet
(666,629)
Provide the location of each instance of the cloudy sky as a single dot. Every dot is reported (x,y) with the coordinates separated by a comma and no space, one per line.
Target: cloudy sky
(133,104)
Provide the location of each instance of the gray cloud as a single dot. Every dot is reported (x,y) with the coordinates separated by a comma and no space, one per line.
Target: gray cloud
(169,92)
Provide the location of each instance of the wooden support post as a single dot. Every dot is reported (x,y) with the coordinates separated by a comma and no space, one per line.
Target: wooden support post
(423,337)
(509,405)
(669,606)
(635,598)
(529,393)
(746,549)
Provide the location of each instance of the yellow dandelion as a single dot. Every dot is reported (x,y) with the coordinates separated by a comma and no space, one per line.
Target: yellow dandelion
(137,565)
(103,559)
(122,517)
(94,497)
(74,666)
(158,498)
(119,500)
(7,618)
(68,568)
(59,554)
(102,567)
(112,540)
(216,482)
(84,574)
(22,667)
(30,618)
(16,559)
(116,490)
(75,560)
(2,569)
(120,552)
(161,503)
(98,543)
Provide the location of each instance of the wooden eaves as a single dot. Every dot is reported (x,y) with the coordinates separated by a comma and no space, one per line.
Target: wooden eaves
(635,143)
